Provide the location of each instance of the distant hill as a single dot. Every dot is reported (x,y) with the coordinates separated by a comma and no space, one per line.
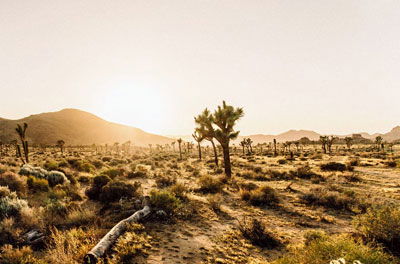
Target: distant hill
(76,127)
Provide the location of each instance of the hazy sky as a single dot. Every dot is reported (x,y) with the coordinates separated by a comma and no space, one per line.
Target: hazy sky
(326,65)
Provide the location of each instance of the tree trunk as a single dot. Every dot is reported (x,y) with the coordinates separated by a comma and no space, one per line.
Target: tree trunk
(111,237)
(227,160)
(198,144)
(215,153)
(180,151)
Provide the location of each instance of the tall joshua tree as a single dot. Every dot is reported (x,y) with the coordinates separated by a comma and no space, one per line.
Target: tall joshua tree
(60,144)
(249,142)
(206,129)
(349,142)
(180,147)
(225,118)
(21,130)
(199,138)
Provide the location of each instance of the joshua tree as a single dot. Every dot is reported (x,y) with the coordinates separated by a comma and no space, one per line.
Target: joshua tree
(378,142)
(225,118)
(243,144)
(60,144)
(173,145)
(329,143)
(199,138)
(349,142)
(21,130)
(297,144)
(324,142)
(180,148)
(275,153)
(249,142)
(206,129)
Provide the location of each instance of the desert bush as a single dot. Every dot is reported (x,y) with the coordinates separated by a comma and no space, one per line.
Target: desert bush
(165,200)
(163,181)
(11,205)
(53,177)
(255,231)
(98,164)
(79,217)
(37,185)
(23,255)
(13,182)
(51,165)
(70,246)
(263,195)
(305,172)
(333,166)
(215,201)
(391,164)
(112,173)
(56,177)
(136,174)
(115,190)
(4,191)
(382,225)
(279,175)
(98,182)
(132,244)
(81,165)
(352,177)
(323,249)
(209,184)
(354,161)
(106,159)
(179,190)
(331,199)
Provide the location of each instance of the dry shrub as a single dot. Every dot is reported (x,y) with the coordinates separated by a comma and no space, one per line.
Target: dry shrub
(14,182)
(322,249)
(261,196)
(256,233)
(332,199)
(382,225)
(115,190)
(165,200)
(70,246)
(132,245)
(37,184)
(209,184)
(333,166)
(23,255)
(215,201)
(163,181)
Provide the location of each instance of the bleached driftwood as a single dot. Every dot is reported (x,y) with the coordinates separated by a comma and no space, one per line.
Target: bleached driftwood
(111,237)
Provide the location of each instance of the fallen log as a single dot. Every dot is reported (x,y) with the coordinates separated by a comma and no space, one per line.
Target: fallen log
(111,237)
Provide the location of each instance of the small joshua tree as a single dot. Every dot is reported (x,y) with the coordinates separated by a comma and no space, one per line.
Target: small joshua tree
(324,141)
(243,144)
(225,118)
(378,142)
(349,142)
(249,142)
(206,129)
(60,144)
(21,130)
(199,138)
(180,147)
(329,143)
(275,152)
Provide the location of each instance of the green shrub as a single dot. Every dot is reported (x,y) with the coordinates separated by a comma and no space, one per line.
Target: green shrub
(51,165)
(13,181)
(164,200)
(81,165)
(209,184)
(381,224)
(37,185)
(323,249)
(163,181)
(263,195)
